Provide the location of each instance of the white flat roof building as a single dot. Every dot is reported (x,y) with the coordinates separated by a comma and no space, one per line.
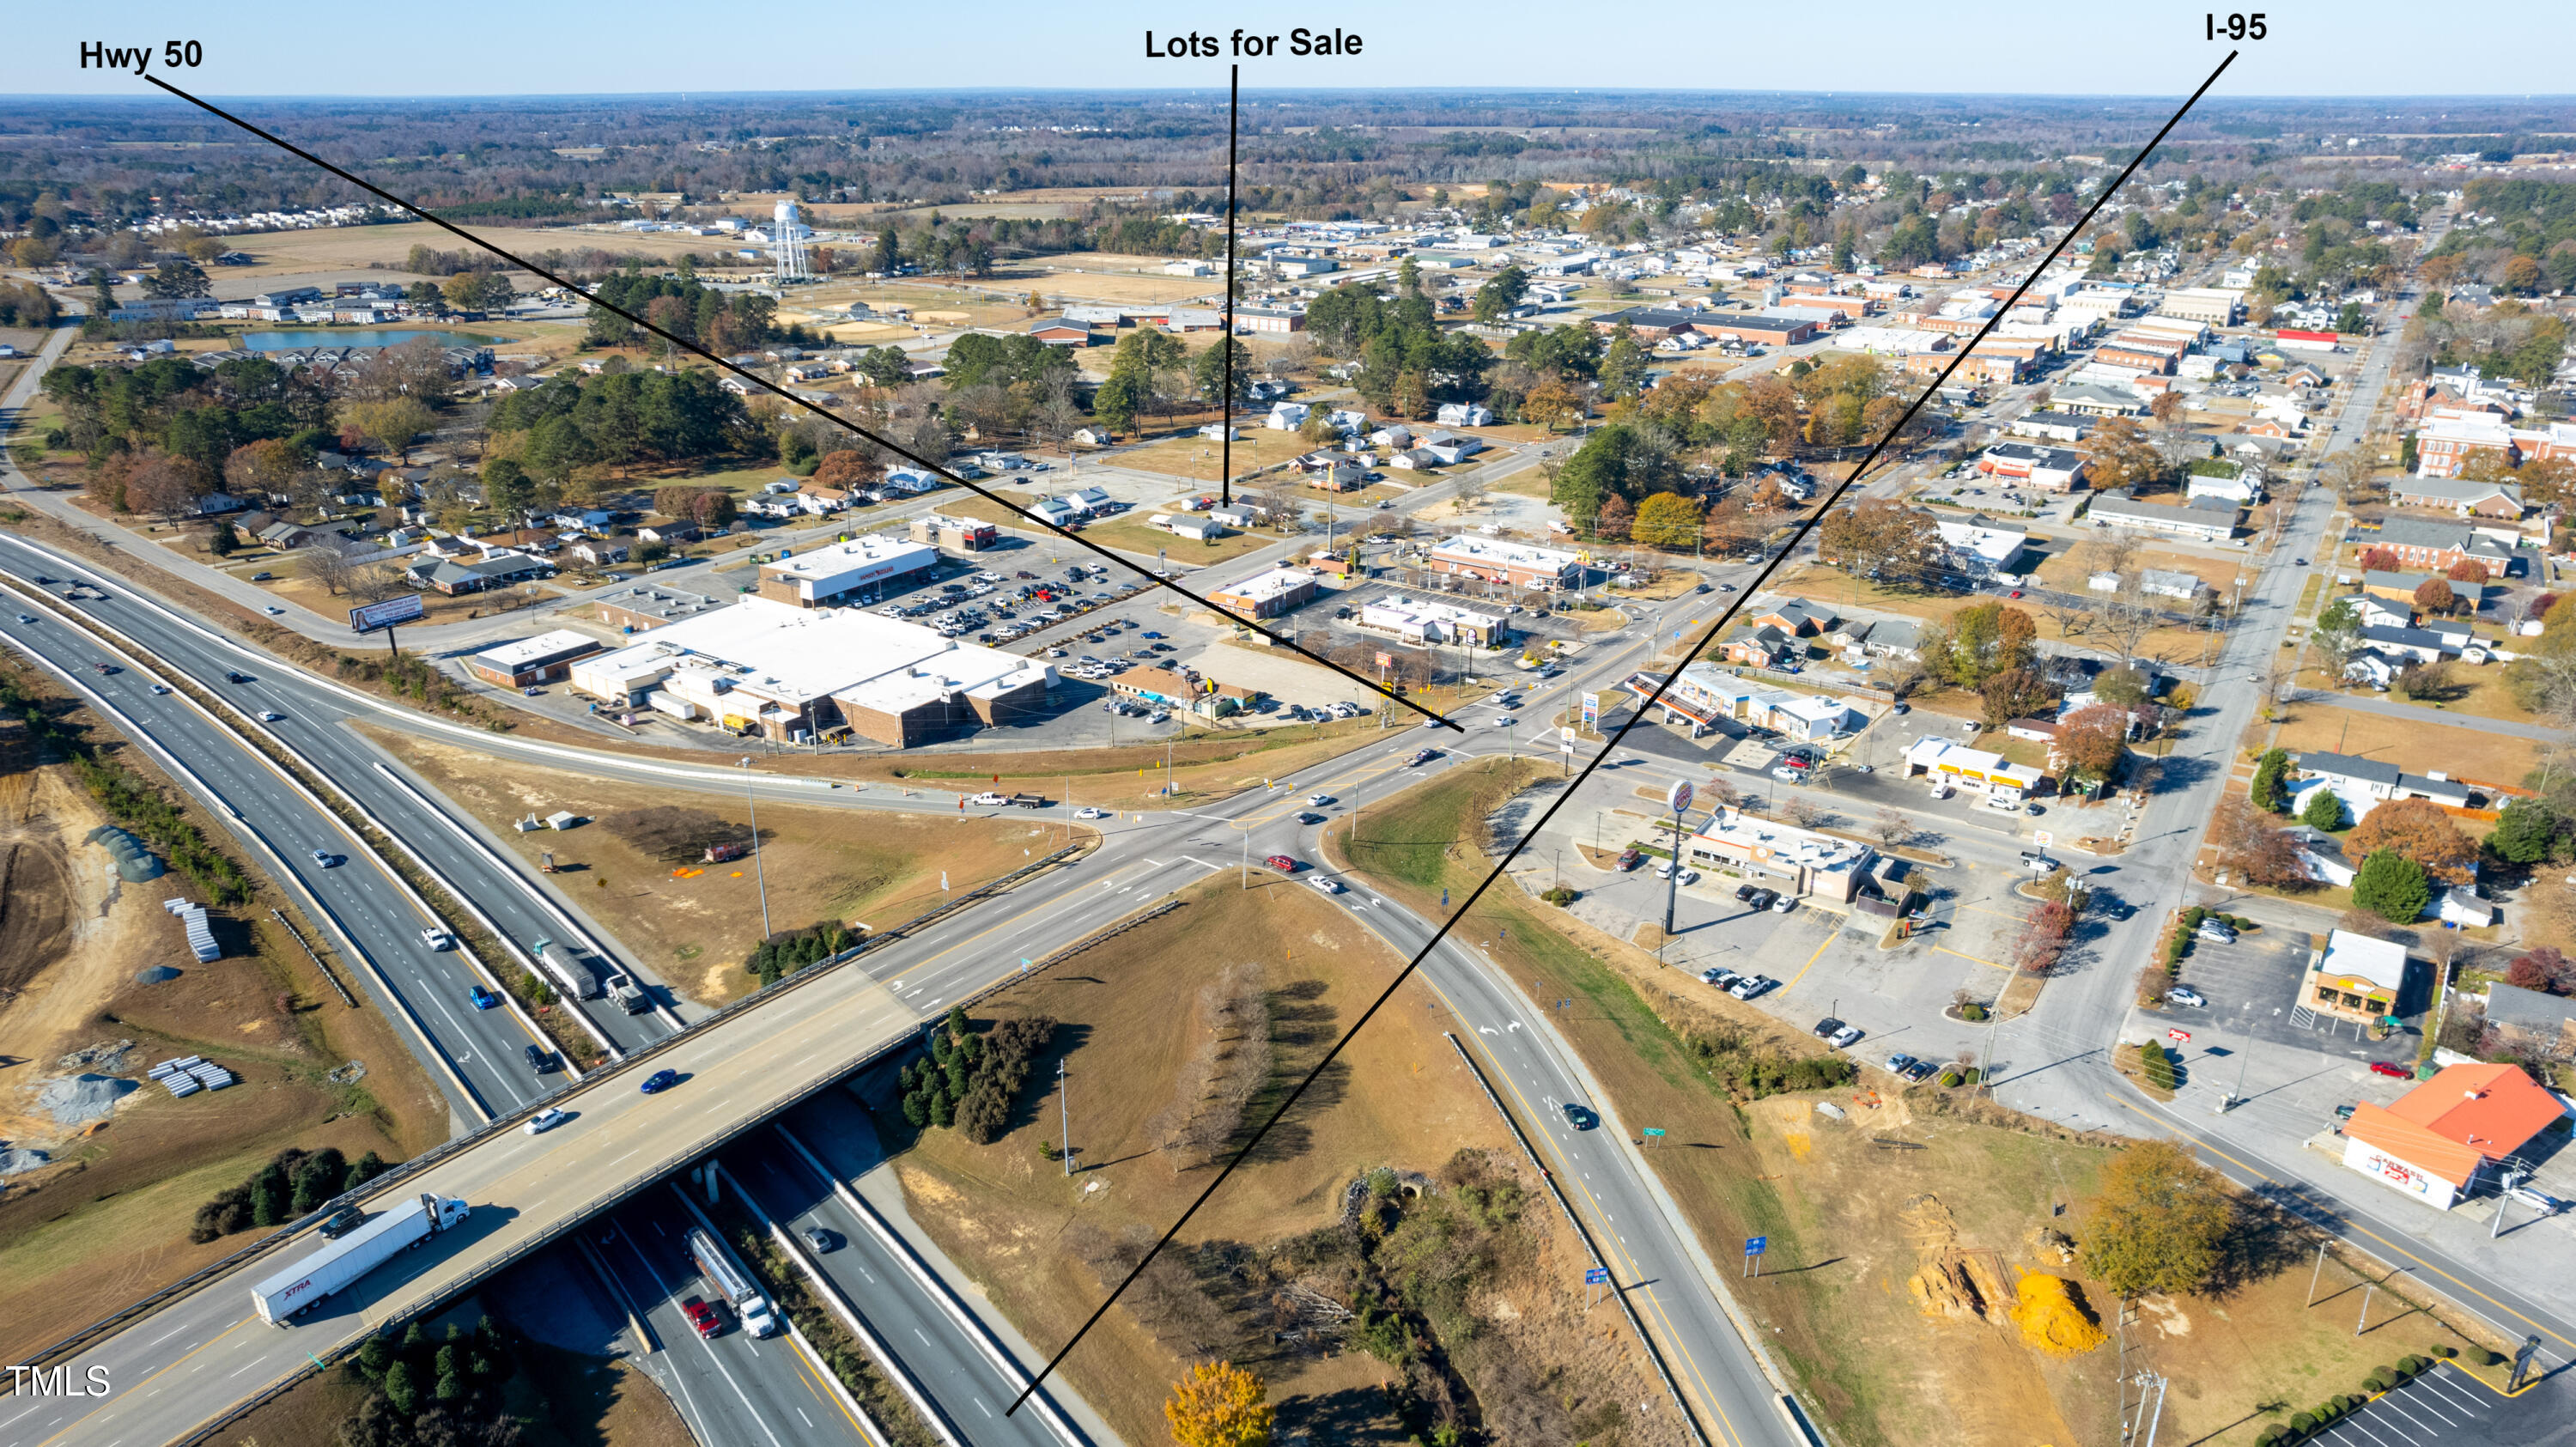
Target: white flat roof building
(833,571)
(1951,762)
(1422,620)
(785,669)
(1505,562)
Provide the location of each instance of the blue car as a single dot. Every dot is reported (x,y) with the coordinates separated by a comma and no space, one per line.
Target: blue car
(660,1080)
(483,999)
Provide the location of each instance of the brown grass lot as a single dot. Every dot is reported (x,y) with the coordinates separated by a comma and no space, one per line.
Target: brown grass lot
(695,922)
(1830,586)
(2485,697)
(341,248)
(2067,568)
(1830,1198)
(108,1220)
(2414,745)
(1398,1097)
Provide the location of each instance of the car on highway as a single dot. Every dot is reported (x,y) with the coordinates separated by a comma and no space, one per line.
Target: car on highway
(270,715)
(483,998)
(1421,757)
(275,612)
(701,1316)
(326,859)
(160,688)
(342,1222)
(819,1240)
(1283,863)
(1788,775)
(540,1059)
(1309,816)
(2382,1067)
(1319,800)
(2302,562)
(1750,986)
(989,798)
(659,1081)
(436,938)
(1581,1117)
(26,617)
(1506,721)
(545,1120)
(1326,884)
(2186,995)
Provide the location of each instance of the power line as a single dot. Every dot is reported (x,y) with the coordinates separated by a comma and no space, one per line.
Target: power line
(1644,707)
(782,393)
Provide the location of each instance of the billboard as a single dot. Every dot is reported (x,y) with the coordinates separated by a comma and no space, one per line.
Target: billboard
(368,617)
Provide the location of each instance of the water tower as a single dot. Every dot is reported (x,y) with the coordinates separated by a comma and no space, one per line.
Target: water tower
(788,233)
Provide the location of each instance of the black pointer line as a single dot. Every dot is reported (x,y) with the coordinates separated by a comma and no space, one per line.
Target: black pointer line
(1643,708)
(1225,405)
(784,395)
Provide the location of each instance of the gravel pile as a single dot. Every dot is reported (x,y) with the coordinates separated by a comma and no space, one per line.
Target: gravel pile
(80,1099)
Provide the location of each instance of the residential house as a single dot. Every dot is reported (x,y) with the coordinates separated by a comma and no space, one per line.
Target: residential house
(1897,638)
(2170,583)
(1288,416)
(602,552)
(1464,414)
(2228,480)
(2528,1020)
(1762,645)
(2407,645)
(1795,617)
(2321,856)
(2364,784)
(669,530)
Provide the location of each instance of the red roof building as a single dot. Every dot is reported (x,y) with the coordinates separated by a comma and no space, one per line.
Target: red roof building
(2437,1139)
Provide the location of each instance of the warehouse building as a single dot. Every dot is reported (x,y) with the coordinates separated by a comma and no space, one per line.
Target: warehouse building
(797,675)
(530,661)
(842,572)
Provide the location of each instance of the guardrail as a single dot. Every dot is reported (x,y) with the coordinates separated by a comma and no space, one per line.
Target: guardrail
(410,1169)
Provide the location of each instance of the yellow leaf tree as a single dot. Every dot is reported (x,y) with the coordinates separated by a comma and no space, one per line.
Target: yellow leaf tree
(1219,1405)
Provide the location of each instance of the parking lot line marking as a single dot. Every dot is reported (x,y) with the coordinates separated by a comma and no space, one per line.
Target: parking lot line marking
(1945,949)
(1809,965)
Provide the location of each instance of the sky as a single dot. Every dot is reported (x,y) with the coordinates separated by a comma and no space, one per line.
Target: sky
(559,47)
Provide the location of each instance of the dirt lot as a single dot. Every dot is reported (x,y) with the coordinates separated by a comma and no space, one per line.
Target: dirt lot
(1398,1098)
(106,1219)
(696,922)
(340,248)
(1857,1208)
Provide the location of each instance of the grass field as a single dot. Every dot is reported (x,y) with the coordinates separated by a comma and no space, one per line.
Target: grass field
(1836,1203)
(695,923)
(340,248)
(2415,745)
(1832,587)
(1398,1097)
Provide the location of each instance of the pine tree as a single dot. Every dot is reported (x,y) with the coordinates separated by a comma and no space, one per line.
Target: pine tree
(400,1388)
(2270,794)
(2392,886)
(2324,810)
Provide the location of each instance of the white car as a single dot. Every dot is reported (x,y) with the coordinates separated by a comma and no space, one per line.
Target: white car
(1847,1037)
(274,611)
(270,715)
(2186,995)
(1328,886)
(1506,721)
(436,938)
(988,797)
(1319,800)
(26,617)
(544,1120)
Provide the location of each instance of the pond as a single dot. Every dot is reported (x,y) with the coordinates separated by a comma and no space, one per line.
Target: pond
(334,337)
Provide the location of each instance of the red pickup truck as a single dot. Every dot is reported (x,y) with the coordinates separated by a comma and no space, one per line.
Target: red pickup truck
(702,1316)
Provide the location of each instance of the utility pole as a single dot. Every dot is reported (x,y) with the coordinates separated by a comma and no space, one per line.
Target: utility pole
(2246,1055)
(2512,1178)
(2363,1325)
(1064,1114)
(751,798)
(2313,1273)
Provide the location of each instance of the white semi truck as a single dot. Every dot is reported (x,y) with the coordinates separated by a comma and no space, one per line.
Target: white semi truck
(718,1267)
(294,1291)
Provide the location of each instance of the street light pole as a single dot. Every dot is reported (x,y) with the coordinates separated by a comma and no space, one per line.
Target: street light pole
(759,872)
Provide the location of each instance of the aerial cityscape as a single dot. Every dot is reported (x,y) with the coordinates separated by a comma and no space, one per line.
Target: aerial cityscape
(1182,731)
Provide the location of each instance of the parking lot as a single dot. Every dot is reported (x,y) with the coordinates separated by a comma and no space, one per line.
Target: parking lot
(2253,991)
(2442,1406)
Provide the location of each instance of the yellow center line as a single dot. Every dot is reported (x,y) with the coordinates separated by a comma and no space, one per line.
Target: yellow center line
(2200,1141)
(129,1395)
(814,1371)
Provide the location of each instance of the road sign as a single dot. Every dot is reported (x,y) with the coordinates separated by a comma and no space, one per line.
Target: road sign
(2179,1037)
(1654,1130)
(1597,1276)
(2043,838)
(368,617)
(1756,1245)
(1592,713)
(1678,798)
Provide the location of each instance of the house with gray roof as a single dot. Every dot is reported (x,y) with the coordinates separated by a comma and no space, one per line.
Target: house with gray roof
(2363,783)
(2530,1019)
(2197,523)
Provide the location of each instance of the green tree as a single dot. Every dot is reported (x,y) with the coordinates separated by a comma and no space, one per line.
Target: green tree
(176,278)
(1208,372)
(1117,402)
(888,254)
(375,1358)
(1497,297)
(1623,365)
(2271,795)
(2392,886)
(507,488)
(2526,832)
(271,1198)
(402,1389)
(223,542)
(2158,1224)
(2324,810)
